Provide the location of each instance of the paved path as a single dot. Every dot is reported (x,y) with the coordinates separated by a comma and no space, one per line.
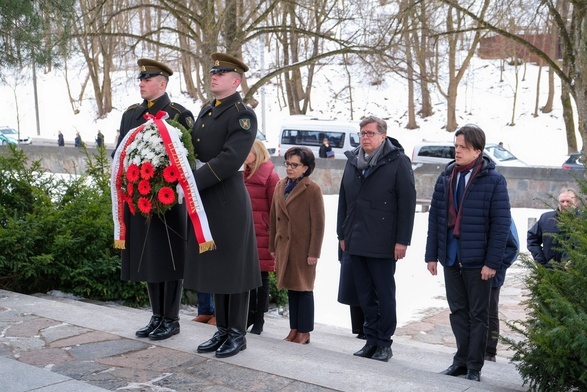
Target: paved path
(52,344)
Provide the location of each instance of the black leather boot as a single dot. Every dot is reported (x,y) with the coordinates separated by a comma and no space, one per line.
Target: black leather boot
(238,306)
(221,310)
(166,329)
(261,304)
(215,342)
(171,302)
(153,324)
(156,291)
(235,343)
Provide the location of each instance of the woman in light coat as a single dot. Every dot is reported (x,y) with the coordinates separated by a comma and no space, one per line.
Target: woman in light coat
(295,239)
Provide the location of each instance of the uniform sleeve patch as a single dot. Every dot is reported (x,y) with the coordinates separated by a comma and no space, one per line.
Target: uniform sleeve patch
(189,121)
(245,123)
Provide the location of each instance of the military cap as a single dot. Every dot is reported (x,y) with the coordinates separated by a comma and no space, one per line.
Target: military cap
(150,68)
(222,62)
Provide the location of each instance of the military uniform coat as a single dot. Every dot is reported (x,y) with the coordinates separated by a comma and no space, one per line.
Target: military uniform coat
(150,255)
(295,233)
(223,136)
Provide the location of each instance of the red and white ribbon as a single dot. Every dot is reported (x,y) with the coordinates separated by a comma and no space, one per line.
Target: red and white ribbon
(194,206)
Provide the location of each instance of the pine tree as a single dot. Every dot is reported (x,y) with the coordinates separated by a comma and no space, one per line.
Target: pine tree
(553,355)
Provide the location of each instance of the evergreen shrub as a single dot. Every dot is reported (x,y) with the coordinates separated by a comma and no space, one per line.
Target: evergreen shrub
(553,354)
(56,232)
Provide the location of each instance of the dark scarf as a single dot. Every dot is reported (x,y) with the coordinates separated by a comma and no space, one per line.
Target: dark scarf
(454,218)
(290,185)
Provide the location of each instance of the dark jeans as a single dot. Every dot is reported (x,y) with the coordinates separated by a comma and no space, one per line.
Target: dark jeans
(493,331)
(375,283)
(468,299)
(205,303)
(301,310)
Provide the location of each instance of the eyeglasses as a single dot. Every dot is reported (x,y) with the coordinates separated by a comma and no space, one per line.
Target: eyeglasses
(368,133)
(292,165)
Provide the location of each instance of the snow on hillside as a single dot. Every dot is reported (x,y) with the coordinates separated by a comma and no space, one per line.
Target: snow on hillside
(483,100)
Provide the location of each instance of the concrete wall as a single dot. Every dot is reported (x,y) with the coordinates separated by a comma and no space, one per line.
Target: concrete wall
(528,187)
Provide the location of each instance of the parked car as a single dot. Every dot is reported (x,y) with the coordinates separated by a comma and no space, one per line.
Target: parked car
(575,161)
(309,132)
(444,152)
(272,149)
(4,140)
(12,134)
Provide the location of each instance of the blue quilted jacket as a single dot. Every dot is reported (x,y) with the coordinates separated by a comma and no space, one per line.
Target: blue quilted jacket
(485,221)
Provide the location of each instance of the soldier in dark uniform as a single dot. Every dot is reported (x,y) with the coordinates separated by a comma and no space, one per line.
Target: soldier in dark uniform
(223,136)
(155,249)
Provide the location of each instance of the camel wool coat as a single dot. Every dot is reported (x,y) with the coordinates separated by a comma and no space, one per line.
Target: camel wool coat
(296,232)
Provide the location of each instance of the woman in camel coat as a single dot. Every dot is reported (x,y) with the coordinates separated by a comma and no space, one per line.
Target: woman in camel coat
(295,239)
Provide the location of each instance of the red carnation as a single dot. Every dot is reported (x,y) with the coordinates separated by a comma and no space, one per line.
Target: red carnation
(166,195)
(147,171)
(144,205)
(144,187)
(132,173)
(170,173)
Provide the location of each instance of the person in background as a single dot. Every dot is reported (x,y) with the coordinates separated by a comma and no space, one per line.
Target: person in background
(468,227)
(260,180)
(296,231)
(376,208)
(223,135)
(205,309)
(155,248)
(511,254)
(60,139)
(541,240)
(325,150)
(78,140)
(99,139)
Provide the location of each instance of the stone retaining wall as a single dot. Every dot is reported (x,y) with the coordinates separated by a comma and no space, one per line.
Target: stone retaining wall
(530,187)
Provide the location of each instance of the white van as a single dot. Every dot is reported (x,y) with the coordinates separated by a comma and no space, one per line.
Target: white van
(309,132)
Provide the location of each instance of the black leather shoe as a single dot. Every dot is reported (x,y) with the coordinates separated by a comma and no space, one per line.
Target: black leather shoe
(474,375)
(216,341)
(166,329)
(153,324)
(383,353)
(454,370)
(258,327)
(235,343)
(366,352)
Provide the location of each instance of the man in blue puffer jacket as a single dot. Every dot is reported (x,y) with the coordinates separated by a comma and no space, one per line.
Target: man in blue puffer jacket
(468,228)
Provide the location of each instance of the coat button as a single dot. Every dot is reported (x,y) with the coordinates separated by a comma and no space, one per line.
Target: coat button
(198,140)
(202,125)
(209,113)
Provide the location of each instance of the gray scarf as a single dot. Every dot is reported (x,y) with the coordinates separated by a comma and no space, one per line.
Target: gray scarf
(364,162)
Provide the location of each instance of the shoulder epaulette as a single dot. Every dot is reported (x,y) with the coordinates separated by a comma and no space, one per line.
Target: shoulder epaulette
(131,107)
(177,107)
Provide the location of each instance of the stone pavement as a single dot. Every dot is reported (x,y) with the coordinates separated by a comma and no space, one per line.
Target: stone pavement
(55,344)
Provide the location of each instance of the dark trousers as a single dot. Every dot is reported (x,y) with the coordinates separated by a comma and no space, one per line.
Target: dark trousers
(301,310)
(468,299)
(375,283)
(357,319)
(165,298)
(493,331)
(231,311)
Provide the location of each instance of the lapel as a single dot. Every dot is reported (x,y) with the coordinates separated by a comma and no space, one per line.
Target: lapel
(298,190)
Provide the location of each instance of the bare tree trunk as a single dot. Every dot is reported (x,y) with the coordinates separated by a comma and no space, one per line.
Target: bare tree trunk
(538,79)
(547,108)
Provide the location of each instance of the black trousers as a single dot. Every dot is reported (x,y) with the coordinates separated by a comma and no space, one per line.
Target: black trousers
(468,299)
(357,319)
(231,311)
(375,283)
(301,310)
(493,331)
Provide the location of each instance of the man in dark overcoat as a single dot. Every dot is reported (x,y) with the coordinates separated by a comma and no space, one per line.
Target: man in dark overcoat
(155,248)
(223,136)
(376,207)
